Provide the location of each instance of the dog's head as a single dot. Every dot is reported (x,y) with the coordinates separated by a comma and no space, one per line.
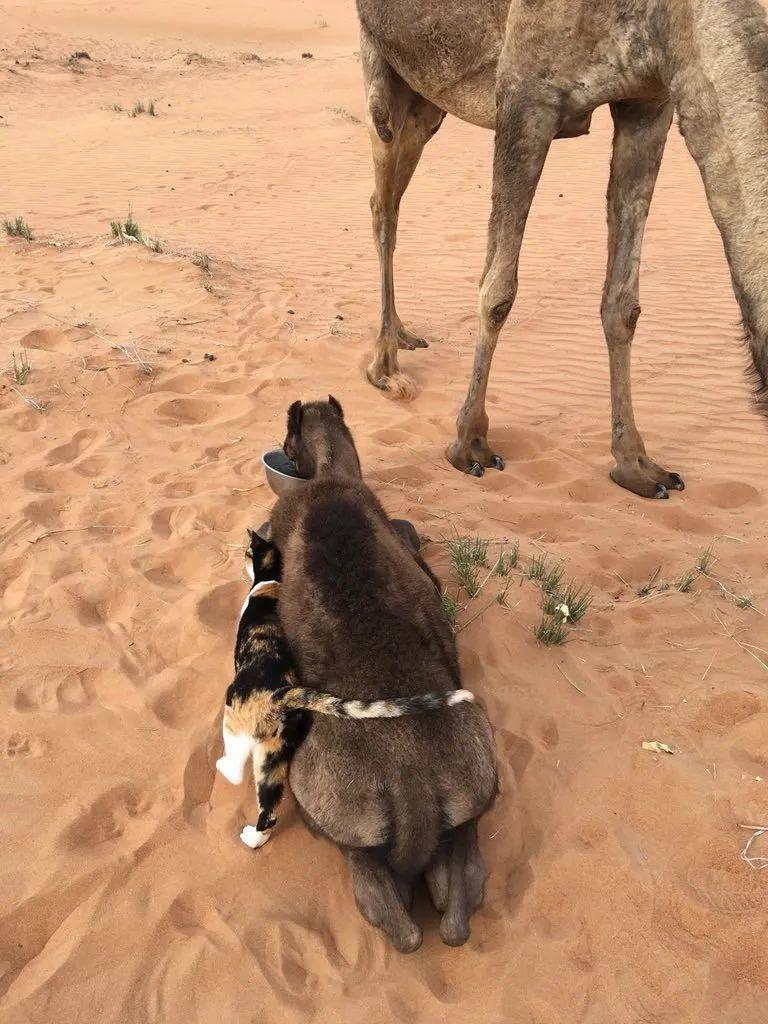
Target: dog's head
(318,440)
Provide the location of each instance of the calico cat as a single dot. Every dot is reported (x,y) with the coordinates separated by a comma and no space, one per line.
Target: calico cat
(266,711)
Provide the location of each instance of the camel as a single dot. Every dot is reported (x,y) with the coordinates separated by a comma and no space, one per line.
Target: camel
(534,71)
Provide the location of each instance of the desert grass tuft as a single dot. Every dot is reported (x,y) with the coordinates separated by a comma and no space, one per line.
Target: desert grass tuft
(685,583)
(550,631)
(20,368)
(507,560)
(552,578)
(705,561)
(128,230)
(468,555)
(537,568)
(140,108)
(577,600)
(18,228)
(450,608)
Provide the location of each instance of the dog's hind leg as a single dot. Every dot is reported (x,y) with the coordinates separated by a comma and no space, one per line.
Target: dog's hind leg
(379,901)
(466,883)
(437,876)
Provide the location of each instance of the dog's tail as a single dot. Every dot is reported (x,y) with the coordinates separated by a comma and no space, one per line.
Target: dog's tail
(300,698)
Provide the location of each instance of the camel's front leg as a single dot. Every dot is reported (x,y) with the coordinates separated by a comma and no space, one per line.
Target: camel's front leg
(640,132)
(524,133)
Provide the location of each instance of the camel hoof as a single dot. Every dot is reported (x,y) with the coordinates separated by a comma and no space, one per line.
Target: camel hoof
(409,341)
(497,462)
(475,470)
(661,491)
(676,482)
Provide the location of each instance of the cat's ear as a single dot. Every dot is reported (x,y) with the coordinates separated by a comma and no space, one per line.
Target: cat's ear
(294,418)
(279,694)
(336,404)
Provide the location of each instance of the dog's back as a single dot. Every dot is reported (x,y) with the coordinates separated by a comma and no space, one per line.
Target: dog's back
(364,621)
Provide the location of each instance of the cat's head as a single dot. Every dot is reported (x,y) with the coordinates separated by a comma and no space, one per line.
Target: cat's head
(262,559)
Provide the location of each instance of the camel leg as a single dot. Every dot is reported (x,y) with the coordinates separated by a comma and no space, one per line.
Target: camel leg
(523,136)
(400,122)
(379,900)
(640,132)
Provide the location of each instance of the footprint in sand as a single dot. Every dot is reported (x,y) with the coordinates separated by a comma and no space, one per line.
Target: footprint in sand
(44,339)
(188,411)
(109,816)
(70,694)
(217,609)
(20,746)
(66,453)
(729,494)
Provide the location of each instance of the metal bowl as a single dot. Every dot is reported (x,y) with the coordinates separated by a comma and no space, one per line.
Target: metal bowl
(281,472)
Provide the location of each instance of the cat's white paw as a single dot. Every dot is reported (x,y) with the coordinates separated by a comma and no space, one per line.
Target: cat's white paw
(253,838)
(231,769)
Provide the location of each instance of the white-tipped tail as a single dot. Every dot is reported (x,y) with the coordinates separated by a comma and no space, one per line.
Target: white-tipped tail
(460,696)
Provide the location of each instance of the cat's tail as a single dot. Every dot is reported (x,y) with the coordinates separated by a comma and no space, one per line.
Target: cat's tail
(298,697)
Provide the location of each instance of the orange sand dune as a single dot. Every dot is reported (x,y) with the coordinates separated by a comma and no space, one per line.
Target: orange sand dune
(616,893)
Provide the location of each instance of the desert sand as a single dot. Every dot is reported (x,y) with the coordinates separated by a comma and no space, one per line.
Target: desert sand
(616,890)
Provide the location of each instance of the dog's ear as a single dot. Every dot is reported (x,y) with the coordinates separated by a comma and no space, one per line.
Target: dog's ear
(294,418)
(336,404)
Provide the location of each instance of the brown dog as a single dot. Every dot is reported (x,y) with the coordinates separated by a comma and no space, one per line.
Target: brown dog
(400,797)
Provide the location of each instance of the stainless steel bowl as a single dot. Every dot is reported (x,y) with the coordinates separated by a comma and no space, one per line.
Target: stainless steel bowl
(281,472)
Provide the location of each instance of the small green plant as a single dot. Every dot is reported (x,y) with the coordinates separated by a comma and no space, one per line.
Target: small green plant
(20,368)
(745,601)
(550,581)
(705,561)
(537,568)
(450,608)
(129,231)
(550,631)
(18,228)
(507,561)
(576,601)
(685,583)
(468,554)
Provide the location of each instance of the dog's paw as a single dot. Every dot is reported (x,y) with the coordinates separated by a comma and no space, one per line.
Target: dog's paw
(253,838)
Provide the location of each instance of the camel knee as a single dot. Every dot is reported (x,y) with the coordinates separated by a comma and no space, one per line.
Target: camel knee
(496,300)
(619,316)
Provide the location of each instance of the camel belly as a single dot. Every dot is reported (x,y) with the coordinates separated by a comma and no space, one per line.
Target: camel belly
(444,55)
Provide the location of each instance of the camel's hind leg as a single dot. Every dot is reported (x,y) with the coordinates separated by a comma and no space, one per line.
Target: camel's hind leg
(640,132)
(525,127)
(379,900)
(400,122)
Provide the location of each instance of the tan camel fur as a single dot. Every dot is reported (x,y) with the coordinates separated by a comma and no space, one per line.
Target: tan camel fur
(535,70)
